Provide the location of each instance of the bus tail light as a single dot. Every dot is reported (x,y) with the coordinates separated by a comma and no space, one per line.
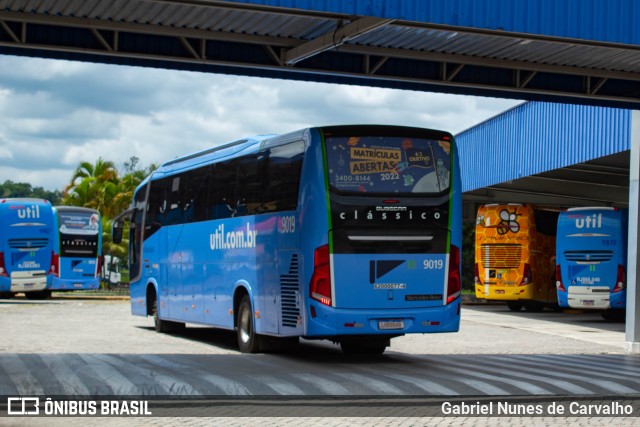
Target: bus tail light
(559,284)
(476,275)
(526,276)
(320,287)
(54,265)
(453,285)
(3,269)
(621,280)
(99,263)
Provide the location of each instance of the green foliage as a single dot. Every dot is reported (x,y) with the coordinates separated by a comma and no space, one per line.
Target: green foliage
(12,189)
(99,186)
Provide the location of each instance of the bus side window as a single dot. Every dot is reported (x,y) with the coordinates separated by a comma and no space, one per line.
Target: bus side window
(250,185)
(283,176)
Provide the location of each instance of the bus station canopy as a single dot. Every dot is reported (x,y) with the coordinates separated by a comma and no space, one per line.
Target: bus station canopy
(570,51)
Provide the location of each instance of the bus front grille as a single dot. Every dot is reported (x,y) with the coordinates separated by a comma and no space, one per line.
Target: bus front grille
(289,291)
(502,255)
(28,244)
(588,256)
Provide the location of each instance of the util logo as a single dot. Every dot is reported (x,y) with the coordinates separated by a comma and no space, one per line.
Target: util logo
(590,221)
(30,212)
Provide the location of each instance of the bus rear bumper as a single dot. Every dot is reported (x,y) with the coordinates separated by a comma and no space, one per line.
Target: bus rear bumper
(593,297)
(505,293)
(71,284)
(331,322)
(26,282)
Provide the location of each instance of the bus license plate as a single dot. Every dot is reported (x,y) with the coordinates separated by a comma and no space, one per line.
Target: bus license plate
(500,291)
(588,302)
(390,324)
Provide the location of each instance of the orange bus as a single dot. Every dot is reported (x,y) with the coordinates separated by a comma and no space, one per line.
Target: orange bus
(515,255)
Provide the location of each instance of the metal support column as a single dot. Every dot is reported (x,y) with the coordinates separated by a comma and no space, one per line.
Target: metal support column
(632,334)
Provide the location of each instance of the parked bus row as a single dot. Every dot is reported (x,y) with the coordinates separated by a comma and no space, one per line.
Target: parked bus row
(45,248)
(346,233)
(532,258)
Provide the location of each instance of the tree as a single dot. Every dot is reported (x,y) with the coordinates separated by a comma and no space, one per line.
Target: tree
(93,186)
(12,189)
(100,186)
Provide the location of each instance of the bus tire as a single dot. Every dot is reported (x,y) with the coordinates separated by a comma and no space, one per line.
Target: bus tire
(164,325)
(248,340)
(515,305)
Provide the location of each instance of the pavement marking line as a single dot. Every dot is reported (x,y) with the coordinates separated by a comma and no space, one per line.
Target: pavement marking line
(605,368)
(327,386)
(229,387)
(522,385)
(7,386)
(561,384)
(370,383)
(171,384)
(431,387)
(60,368)
(479,386)
(26,383)
(111,377)
(279,386)
(605,384)
(611,372)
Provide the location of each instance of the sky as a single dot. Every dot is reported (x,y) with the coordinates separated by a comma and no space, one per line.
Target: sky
(56,114)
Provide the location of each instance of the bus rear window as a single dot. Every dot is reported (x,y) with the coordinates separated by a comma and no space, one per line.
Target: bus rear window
(384,165)
(78,222)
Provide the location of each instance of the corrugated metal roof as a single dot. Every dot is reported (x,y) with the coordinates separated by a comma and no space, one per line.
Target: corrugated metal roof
(612,21)
(493,47)
(536,137)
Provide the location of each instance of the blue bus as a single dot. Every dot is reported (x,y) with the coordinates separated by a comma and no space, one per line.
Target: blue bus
(78,233)
(591,259)
(27,256)
(345,233)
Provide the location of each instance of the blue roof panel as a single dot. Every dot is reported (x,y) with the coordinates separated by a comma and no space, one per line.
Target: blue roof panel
(536,137)
(613,21)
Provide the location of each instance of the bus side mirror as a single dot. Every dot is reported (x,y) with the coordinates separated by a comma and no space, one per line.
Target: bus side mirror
(118,225)
(116,232)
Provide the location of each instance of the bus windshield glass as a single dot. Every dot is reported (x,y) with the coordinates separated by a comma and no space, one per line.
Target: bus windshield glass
(78,223)
(385,165)
(78,233)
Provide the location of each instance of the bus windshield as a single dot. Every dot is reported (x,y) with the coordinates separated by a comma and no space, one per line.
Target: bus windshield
(78,233)
(384,164)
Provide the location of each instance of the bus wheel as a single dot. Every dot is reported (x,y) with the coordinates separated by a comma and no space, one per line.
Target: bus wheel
(38,295)
(248,340)
(158,324)
(515,305)
(164,325)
